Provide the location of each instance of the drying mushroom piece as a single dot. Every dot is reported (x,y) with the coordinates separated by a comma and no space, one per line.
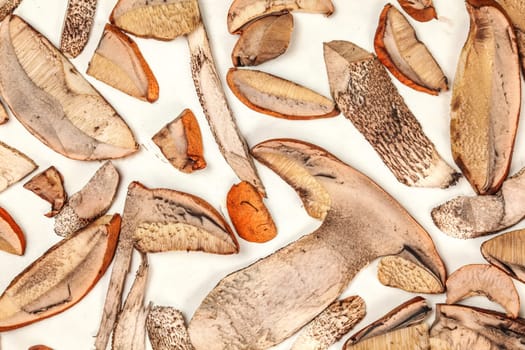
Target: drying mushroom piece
(53,101)
(4,117)
(12,238)
(7,7)
(263,40)
(61,277)
(167,329)
(78,22)
(506,252)
(365,94)
(407,58)
(300,280)
(119,63)
(515,9)
(39,347)
(49,185)
(14,166)
(414,338)
(181,143)
(420,10)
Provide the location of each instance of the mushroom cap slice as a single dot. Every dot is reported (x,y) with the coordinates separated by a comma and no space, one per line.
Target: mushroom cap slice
(167,329)
(78,22)
(7,7)
(12,238)
(49,185)
(39,347)
(506,252)
(414,338)
(14,166)
(420,10)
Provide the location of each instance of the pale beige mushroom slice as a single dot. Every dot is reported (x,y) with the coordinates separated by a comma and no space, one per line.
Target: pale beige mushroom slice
(12,239)
(7,7)
(54,102)
(420,10)
(414,338)
(4,116)
(365,94)
(78,21)
(167,329)
(49,185)
(14,166)
(263,304)
(515,9)
(506,252)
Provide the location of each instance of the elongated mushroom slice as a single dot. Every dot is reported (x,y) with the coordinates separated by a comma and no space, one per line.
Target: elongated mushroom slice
(78,22)
(7,7)
(242,12)
(331,324)
(167,329)
(91,202)
(420,10)
(181,143)
(263,40)
(365,94)
(12,239)
(53,101)
(515,9)
(14,166)
(61,277)
(49,185)
(264,303)
(278,97)
(119,63)
(414,338)
(4,117)
(506,252)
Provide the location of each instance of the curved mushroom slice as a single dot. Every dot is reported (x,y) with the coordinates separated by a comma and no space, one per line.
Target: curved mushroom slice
(420,10)
(39,347)
(414,338)
(54,102)
(4,117)
(506,252)
(365,94)
(515,9)
(266,302)
(14,166)
(61,277)
(49,185)
(78,22)
(167,329)
(278,97)
(7,7)
(407,58)
(12,238)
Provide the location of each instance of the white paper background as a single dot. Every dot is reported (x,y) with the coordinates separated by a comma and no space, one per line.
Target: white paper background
(183,279)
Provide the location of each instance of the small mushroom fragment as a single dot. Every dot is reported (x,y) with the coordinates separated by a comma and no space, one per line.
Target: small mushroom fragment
(62,276)
(167,329)
(420,10)
(278,97)
(181,143)
(263,40)
(7,7)
(78,22)
(414,338)
(506,252)
(4,117)
(407,58)
(39,347)
(365,94)
(14,166)
(49,185)
(12,238)
(515,9)
(119,63)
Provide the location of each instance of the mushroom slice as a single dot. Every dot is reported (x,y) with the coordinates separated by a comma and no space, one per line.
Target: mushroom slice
(300,280)
(91,202)
(53,101)
(167,329)
(420,10)
(49,185)
(12,238)
(14,166)
(39,347)
(62,276)
(515,9)
(263,40)
(407,58)
(414,338)
(181,143)
(7,7)
(242,12)
(365,94)
(278,97)
(78,22)
(4,117)
(506,252)
(119,63)
(331,324)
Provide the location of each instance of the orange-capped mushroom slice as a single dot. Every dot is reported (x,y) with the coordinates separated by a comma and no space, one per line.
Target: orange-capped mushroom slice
(80,15)
(14,166)
(12,238)
(39,347)
(49,185)
(415,337)
(506,252)
(407,58)
(420,10)
(7,7)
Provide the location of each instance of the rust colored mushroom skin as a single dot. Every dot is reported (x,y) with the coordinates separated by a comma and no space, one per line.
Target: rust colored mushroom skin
(420,10)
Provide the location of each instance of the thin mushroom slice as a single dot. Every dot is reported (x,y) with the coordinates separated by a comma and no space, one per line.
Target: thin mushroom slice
(420,10)
(515,9)
(14,166)
(7,7)
(62,276)
(4,117)
(414,338)
(49,185)
(167,329)
(12,239)
(365,94)
(506,252)
(300,280)
(78,22)
(278,97)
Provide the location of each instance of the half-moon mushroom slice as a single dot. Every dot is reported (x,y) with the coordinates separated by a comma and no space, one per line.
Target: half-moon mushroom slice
(515,9)
(61,277)
(119,63)
(12,239)
(4,117)
(7,7)
(420,10)
(506,252)
(54,102)
(365,94)
(14,166)
(78,22)
(300,280)
(242,12)
(414,338)
(49,185)
(167,329)
(407,58)
(39,347)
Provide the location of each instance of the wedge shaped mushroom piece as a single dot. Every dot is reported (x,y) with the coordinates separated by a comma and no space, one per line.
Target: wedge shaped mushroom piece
(167,329)
(4,117)
(407,58)
(54,102)
(62,276)
(266,302)
(365,94)
(12,239)
(7,7)
(14,166)
(119,63)
(515,9)
(414,338)
(78,22)
(49,185)
(420,10)
(506,252)
(278,97)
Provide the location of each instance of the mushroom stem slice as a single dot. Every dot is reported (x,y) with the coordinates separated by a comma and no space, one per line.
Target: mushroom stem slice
(14,166)
(414,338)
(49,185)
(167,329)
(12,239)
(7,7)
(506,252)
(420,10)
(78,22)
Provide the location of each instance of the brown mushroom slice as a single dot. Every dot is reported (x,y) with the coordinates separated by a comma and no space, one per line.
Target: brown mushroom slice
(91,202)
(53,101)
(300,280)
(78,22)
(4,117)
(61,277)
(14,166)
(365,94)
(12,239)
(242,12)
(7,7)
(414,338)
(119,63)
(331,324)
(49,185)
(39,347)
(278,97)
(407,58)
(506,252)
(167,329)
(420,10)
(515,9)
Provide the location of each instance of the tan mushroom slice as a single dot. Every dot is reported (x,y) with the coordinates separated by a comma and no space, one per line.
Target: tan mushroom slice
(167,329)
(181,143)
(7,7)
(78,22)
(12,239)
(266,302)
(49,185)
(420,10)
(53,101)
(414,338)
(4,117)
(278,97)
(365,94)
(91,202)
(515,9)
(506,252)
(119,63)
(62,276)
(263,40)
(407,58)
(331,324)
(14,166)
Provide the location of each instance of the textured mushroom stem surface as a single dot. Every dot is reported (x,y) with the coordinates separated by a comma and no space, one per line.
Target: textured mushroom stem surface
(14,166)
(78,22)
(12,239)
(415,337)
(506,252)
(49,185)
(420,10)
(167,329)
(7,7)
(365,94)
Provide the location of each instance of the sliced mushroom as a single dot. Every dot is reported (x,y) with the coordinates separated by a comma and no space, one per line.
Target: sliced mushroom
(53,101)
(119,63)
(278,97)
(242,12)
(407,58)
(4,117)
(506,252)
(49,185)
(14,166)
(263,40)
(12,239)
(420,10)
(515,9)
(266,302)
(78,22)
(365,94)
(414,338)
(7,7)
(181,143)
(61,277)
(39,347)
(167,329)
